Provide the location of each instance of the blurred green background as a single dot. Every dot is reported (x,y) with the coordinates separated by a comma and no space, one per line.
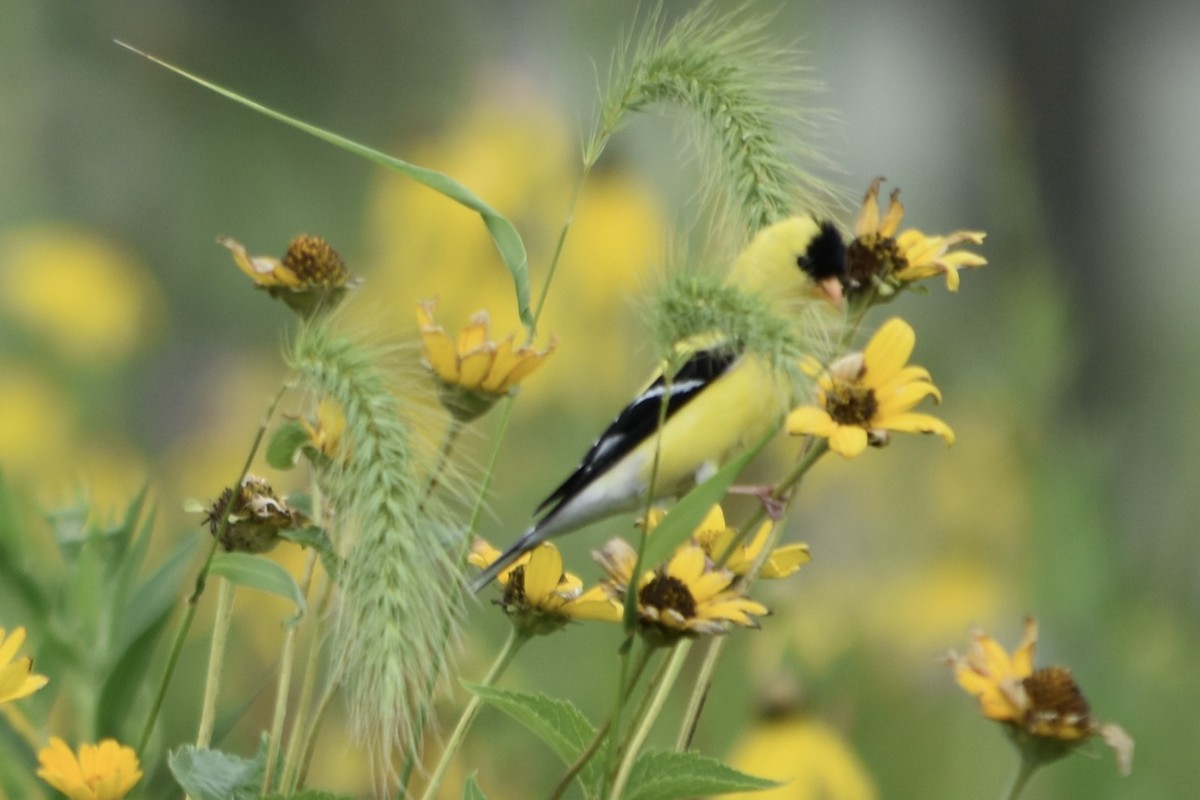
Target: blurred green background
(130,347)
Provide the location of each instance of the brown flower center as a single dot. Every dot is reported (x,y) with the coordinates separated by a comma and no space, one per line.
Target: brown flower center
(315,262)
(851,404)
(514,590)
(872,256)
(667,592)
(1056,705)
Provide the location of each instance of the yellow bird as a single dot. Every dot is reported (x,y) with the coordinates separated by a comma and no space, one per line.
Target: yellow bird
(718,401)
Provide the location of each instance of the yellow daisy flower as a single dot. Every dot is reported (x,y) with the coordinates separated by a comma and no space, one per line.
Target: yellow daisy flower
(311,277)
(688,596)
(539,595)
(105,771)
(1043,708)
(879,260)
(864,395)
(17,678)
(808,758)
(714,537)
(474,372)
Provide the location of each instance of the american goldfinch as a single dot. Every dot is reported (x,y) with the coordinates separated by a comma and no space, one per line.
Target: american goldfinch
(718,401)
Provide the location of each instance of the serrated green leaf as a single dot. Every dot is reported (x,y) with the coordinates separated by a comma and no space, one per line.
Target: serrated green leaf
(505,237)
(258,573)
(316,538)
(471,790)
(213,775)
(284,448)
(558,723)
(668,775)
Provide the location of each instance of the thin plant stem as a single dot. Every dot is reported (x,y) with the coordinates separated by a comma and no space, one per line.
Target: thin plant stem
(665,682)
(21,725)
(691,715)
(435,475)
(310,738)
(1024,772)
(516,638)
(311,667)
(594,745)
(216,657)
(189,616)
(285,679)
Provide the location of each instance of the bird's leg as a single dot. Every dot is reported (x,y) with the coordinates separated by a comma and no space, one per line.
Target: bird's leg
(772,505)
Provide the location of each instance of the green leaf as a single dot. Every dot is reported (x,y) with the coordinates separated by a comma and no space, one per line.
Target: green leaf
(257,573)
(471,790)
(558,723)
(667,775)
(213,775)
(504,235)
(284,448)
(310,794)
(685,515)
(316,538)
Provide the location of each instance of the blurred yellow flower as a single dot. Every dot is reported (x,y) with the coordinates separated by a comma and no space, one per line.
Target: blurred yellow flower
(311,277)
(1044,709)
(864,395)
(714,537)
(325,434)
(105,771)
(540,594)
(687,596)
(17,678)
(37,422)
(809,759)
(878,259)
(93,302)
(474,372)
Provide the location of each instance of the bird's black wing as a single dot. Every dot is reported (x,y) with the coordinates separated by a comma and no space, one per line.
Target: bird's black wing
(640,419)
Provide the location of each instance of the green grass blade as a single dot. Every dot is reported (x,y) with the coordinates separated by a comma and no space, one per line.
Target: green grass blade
(508,242)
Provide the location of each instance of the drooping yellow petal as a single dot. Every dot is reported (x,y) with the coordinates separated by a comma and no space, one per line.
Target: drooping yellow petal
(913,422)
(848,440)
(810,420)
(902,398)
(543,572)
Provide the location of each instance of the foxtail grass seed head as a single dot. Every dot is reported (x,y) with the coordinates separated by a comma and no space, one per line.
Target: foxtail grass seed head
(539,596)
(17,678)
(473,372)
(401,585)
(880,262)
(1043,710)
(256,517)
(311,277)
(104,771)
(864,396)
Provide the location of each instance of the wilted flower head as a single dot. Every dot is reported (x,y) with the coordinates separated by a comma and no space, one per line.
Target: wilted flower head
(310,278)
(1044,709)
(474,371)
(864,395)
(879,262)
(105,771)
(539,595)
(17,678)
(256,516)
(688,596)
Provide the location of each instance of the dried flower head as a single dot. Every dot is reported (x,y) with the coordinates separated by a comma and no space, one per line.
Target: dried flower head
(256,516)
(863,396)
(879,262)
(310,278)
(474,371)
(1044,709)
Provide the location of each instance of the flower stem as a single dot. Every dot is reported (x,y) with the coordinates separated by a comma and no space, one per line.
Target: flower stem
(216,657)
(435,475)
(665,682)
(186,623)
(300,719)
(21,725)
(310,738)
(1024,772)
(515,639)
(285,679)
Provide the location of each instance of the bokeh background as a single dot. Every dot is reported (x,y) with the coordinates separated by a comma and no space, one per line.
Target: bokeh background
(130,347)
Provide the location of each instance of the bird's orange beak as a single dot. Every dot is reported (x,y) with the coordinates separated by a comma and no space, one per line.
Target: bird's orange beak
(831,287)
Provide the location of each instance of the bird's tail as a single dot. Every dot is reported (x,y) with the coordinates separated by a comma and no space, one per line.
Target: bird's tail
(527,541)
